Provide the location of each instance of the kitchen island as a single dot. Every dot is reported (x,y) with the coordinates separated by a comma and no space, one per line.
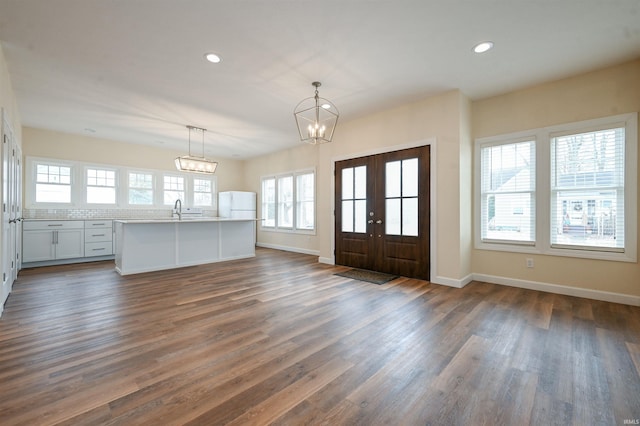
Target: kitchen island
(157,244)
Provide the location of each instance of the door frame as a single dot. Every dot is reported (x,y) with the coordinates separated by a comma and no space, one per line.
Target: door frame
(432,192)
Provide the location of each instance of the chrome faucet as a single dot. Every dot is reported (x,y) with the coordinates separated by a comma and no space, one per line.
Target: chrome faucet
(177,208)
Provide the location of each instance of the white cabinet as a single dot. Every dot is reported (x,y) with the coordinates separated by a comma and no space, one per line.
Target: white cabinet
(154,245)
(52,240)
(98,238)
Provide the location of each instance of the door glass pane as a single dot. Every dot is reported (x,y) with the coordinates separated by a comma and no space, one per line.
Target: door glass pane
(410,217)
(392,175)
(347,183)
(360,182)
(347,216)
(393,216)
(410,178)
(354,199)
(361,216)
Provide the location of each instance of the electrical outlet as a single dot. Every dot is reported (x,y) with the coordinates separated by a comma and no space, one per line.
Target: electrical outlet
(529,262)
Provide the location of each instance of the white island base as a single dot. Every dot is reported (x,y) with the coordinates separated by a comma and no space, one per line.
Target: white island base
(154,245)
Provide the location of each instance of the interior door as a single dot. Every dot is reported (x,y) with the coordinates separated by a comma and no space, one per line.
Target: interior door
(7,256)
(382,212)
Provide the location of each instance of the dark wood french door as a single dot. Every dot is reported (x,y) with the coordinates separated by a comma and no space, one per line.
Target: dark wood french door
(382,212)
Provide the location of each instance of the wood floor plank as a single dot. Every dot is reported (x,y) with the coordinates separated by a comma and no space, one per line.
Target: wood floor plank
(279,339)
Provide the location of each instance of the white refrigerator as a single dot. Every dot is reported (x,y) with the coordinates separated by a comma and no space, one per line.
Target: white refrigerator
(237,204)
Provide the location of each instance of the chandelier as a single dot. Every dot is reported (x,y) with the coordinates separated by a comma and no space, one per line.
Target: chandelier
(316,118)
(195,164)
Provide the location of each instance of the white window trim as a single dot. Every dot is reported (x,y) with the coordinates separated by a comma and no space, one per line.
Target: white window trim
(85,185)
(292,229)
(527,137)
(78,186)
(191,195)
(125,192)
(542,136)
(30,187)
(163,189)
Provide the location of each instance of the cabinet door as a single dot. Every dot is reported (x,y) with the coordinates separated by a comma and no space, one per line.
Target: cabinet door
(38,246)
(69,243)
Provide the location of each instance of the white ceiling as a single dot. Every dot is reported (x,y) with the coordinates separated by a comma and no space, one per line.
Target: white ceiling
(133,70)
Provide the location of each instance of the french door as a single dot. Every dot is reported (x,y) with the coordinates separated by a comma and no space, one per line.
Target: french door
(382,212)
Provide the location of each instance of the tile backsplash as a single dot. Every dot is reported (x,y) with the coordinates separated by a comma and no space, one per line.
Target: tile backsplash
(81,214)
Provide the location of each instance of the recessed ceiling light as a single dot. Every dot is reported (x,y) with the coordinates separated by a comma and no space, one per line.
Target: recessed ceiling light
(213,58)
(483,47)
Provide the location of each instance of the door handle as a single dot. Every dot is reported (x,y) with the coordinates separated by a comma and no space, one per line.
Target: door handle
(370,221)
(379,221)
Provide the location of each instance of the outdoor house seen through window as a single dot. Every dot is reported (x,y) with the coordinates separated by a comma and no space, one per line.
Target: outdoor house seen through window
(587,189)
(508,192)
(566,190)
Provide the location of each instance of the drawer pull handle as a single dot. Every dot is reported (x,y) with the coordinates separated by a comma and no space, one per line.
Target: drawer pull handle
(97,235)
(54,224)
(98,249)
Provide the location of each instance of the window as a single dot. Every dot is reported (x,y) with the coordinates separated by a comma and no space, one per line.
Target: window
(285,202)
(173,189)
(101,186)
(202,192)
(50,182)
(508,192)
(587,190)
(305,201)
(568,190)
(140,188)
(53,183)
(269,202)
(288,201)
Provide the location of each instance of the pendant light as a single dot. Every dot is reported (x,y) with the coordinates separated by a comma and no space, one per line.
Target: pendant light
(316,118)
(190,163)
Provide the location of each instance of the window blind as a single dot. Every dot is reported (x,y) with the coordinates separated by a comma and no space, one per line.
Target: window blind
(508,192)
(587,190)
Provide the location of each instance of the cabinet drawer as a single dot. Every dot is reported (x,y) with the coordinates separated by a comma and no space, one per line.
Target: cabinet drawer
(98,235)
(98,249)
(98,224)
(52,225)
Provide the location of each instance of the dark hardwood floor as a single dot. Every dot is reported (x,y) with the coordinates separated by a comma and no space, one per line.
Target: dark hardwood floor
(278,339)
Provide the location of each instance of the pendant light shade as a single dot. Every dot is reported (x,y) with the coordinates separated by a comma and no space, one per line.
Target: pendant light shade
(316,118)
(195,164)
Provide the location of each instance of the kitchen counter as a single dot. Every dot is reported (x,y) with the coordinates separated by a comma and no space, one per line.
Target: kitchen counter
(186,219)
(144,245)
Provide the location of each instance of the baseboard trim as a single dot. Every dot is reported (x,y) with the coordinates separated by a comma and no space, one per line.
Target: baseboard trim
(605,296)
(326,260)
(452,282)
(288,248)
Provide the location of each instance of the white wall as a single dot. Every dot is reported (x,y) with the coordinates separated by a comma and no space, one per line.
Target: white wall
(7,98)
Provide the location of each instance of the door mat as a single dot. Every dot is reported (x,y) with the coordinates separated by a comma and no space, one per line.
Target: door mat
(368,276)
